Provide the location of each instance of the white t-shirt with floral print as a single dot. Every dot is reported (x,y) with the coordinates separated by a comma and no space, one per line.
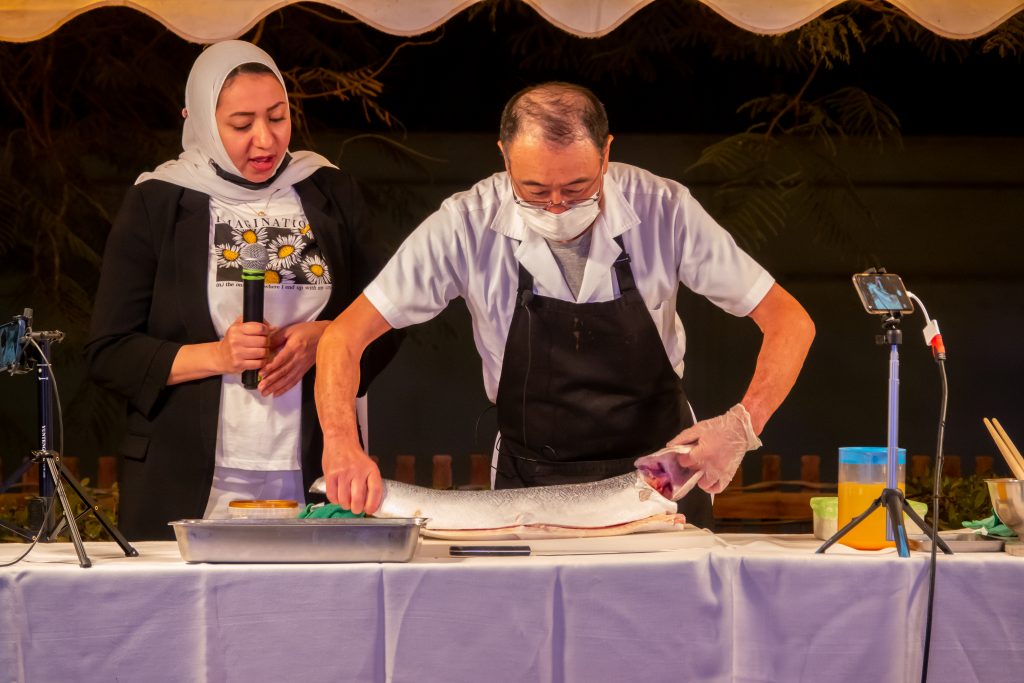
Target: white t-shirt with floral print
(256,432)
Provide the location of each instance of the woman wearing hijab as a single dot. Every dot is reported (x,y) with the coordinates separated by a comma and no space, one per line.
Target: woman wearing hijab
(167,333)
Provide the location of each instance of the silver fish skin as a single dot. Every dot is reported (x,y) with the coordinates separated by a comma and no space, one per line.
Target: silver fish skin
(618,500)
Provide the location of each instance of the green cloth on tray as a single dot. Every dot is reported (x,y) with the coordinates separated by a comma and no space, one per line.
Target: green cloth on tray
(991,526)
(327,511)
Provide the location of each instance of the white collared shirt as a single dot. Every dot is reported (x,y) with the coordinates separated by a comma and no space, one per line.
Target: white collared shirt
(472,247)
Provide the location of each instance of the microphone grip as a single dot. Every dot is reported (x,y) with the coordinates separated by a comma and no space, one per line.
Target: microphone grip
(250,379)
(252,312)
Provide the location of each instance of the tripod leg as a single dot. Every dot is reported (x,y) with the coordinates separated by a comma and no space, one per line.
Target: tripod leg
(26,534)
(129,551)
(852,523)
(893,498)
(76,539)
(16,475)
(926,528)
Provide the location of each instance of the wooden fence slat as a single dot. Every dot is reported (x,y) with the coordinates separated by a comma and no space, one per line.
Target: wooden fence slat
(405,469)
(71,462)
(771,467)
(767,505)
(442,472)
(951,466)
(983,465)
(106,471)
(919,465)
(810,469)
(479,472)
(737,479)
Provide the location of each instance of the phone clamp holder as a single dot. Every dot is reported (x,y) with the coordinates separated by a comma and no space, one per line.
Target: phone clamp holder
(891,335)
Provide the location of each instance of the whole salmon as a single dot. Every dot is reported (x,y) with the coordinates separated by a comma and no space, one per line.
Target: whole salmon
(648,491)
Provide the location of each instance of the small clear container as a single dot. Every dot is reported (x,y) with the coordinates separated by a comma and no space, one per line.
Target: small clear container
(863,473)
(263,509)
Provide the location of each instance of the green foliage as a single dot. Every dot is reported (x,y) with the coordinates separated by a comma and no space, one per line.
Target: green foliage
(1007,41)
(960,498)
(14,511)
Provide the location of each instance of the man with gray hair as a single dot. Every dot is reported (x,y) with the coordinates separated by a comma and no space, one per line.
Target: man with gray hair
(570,265)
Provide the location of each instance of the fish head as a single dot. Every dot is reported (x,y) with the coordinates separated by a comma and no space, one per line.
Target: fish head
(663,473)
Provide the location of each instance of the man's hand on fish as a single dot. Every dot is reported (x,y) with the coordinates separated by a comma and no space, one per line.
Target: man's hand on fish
(351,479)
(718,446)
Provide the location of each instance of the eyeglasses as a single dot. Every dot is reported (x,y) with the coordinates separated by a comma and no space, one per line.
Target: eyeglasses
(565,203)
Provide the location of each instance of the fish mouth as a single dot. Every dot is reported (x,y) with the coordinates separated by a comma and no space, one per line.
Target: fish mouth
(660,481)
(661,471)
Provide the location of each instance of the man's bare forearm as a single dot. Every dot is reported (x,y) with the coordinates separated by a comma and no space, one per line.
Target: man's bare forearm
(788,332)
(337,380)
(337,361)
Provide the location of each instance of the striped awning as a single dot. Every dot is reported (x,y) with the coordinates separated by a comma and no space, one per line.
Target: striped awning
(206,21)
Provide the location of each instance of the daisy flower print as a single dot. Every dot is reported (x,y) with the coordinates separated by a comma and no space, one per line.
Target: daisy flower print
(249,235)
(227,255)
(315,270)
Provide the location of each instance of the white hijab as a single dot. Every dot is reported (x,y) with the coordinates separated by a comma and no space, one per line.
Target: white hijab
(200,138)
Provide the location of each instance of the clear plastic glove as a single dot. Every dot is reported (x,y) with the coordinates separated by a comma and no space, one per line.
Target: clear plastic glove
(719,445)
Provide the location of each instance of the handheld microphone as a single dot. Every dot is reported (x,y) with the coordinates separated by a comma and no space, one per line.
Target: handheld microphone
(253,258)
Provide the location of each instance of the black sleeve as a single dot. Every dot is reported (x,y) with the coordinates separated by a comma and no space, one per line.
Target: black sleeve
(121,355)
(368,257)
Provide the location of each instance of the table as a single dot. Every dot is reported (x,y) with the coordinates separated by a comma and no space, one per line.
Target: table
(700,607)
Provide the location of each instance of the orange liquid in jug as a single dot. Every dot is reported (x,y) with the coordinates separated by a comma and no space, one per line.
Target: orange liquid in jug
(854,498)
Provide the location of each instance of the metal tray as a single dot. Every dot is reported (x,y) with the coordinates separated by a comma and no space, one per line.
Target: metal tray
(961,542)
(297,540)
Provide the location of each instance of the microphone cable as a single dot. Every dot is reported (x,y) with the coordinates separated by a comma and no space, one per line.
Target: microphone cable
(933,338)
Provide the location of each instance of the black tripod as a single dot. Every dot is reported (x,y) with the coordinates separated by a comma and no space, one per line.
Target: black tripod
(891,498)
(42,523)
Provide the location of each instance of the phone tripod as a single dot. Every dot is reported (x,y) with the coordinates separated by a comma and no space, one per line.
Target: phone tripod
(891,499)
(42,522)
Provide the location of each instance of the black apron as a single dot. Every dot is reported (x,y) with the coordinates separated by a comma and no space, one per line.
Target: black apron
(585,389)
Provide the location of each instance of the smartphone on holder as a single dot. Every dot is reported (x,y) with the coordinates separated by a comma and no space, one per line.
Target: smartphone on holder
(11,346)
(882,293)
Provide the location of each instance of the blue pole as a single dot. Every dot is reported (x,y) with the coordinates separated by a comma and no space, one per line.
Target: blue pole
(892,463)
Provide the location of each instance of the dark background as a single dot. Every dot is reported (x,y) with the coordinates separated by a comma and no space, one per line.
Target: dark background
(945,202)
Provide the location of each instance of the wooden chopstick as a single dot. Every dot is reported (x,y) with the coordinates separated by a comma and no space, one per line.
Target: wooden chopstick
(1005,445)
(1010,445)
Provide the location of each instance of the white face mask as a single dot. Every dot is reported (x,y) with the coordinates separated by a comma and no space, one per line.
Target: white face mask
(559,227)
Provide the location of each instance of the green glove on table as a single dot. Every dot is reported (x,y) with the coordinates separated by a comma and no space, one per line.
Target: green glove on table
(991,526)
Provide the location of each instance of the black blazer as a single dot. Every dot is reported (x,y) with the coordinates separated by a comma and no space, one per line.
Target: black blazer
(152,300)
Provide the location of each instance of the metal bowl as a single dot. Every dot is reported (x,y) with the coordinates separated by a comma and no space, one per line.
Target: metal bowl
(1007,497)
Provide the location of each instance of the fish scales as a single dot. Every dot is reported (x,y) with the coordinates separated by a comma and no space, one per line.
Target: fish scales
(621,499)
(606,503)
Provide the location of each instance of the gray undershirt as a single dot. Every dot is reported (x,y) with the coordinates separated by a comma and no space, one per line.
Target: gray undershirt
(572,259)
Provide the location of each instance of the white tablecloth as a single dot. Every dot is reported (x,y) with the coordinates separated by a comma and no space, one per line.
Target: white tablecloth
(705,608)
